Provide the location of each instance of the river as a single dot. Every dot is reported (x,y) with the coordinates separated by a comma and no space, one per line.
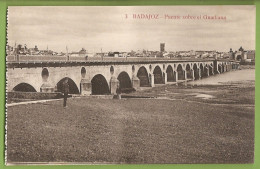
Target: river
(237,86)
(227,77)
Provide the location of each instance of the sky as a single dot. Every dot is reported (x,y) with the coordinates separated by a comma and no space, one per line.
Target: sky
(106,28)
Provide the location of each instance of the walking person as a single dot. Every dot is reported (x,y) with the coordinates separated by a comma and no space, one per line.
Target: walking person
(118,91)
(65,92)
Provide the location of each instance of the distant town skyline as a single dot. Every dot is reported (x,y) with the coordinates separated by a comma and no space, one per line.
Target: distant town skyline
(106,28)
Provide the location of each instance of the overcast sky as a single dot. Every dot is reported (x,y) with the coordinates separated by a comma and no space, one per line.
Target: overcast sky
(106,27)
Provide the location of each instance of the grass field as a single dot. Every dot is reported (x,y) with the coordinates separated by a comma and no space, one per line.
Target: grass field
(180,128)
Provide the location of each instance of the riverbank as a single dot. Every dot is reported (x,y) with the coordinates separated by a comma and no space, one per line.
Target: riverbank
(181,124)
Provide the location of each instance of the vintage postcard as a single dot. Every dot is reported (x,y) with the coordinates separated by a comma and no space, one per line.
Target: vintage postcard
(130,84)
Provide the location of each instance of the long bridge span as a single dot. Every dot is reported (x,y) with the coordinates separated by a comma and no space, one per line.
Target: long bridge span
(98,77)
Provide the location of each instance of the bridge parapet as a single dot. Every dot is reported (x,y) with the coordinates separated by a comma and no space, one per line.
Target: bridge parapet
(28,64)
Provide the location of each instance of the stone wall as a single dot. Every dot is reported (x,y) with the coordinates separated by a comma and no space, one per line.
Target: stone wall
(27,96)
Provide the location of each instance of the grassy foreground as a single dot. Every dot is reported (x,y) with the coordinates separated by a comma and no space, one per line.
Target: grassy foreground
(134,130)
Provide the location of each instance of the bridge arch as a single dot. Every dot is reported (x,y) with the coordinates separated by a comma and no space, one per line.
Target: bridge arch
(226,64)
(158,75)
(125,82)
(73,88)
(223,67)
(201,66)
(180,71)
(24,87)
(206,69)
(189,71)
(171,75)
(238,57)
(142,74)
(196,72)
(99,85)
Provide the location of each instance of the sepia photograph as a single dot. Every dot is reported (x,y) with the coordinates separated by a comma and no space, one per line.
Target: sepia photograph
(130,85)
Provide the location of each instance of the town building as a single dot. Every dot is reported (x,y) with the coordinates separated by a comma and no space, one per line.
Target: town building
(242,55)
(162,47)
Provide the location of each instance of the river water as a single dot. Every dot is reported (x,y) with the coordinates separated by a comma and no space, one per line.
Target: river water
(240,78)
(227,77)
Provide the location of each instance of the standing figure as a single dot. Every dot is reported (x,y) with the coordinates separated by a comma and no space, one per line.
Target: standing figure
(65,92)
(118,91)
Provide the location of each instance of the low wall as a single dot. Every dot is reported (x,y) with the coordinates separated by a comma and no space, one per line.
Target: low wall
(28,96)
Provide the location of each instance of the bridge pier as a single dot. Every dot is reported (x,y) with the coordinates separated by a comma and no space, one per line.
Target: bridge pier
(176,76)
(192,74)
(85,87)
(185,74)
(113,85)
(199,74)
(135,82)
(220,70)
(207,72)
(46,88)
(165,76)
(235,66)
(152,80)
(229,67)
(212,70)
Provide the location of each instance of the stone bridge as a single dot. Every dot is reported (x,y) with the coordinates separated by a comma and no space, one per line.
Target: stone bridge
(102,77)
